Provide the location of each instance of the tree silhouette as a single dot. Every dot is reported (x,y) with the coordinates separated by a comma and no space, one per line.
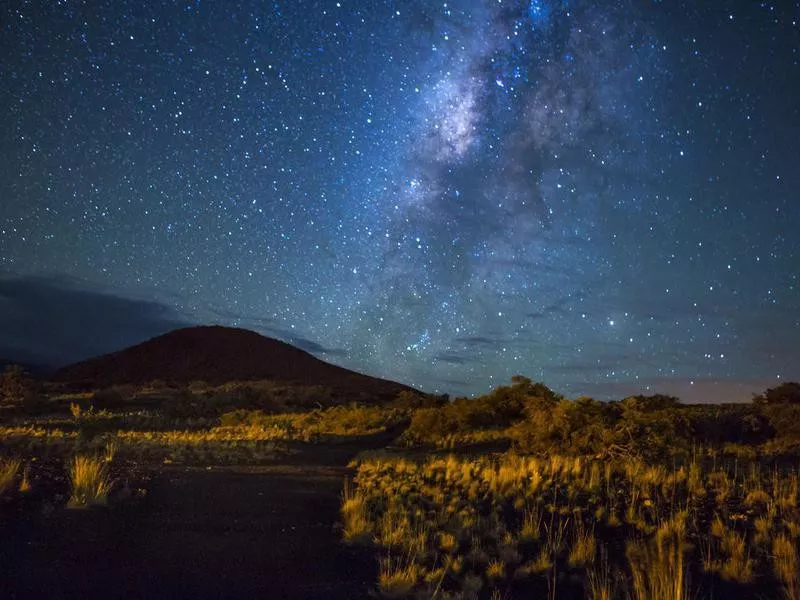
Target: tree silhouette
(786,393)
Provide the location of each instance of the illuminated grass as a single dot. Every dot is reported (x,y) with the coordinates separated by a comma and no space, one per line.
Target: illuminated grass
(89,480)
(532,518)
(8,473)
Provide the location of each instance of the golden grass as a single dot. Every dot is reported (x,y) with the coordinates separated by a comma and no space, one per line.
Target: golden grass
(531,523)
(448,542)
(786,565)
(8,473)
(496,570)
(583,549)
(533,516)
(33,431)
(397,578)
(357,524)
(25,483)
(111,449)
(737,565)
(658,566)
(90,482)
(600,584)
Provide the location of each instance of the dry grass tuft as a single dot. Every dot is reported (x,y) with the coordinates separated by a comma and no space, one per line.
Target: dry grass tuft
(658,568)
(8,473)
(600,584)
(357,526)
(583,549)
(25,484)
(90,482)
(495,571)
(397,578)
(786,565)
(110,451)
(738,566)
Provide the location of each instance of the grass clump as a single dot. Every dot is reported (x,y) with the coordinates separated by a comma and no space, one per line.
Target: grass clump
(397,578)
(658,568)
(357,524)
(9,467)
(584,548)
(90,482)
(786,565)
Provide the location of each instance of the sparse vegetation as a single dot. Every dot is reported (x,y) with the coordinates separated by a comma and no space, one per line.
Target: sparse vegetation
(515,522)
(541,496)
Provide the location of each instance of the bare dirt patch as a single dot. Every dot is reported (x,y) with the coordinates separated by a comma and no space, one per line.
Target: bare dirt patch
(233,532)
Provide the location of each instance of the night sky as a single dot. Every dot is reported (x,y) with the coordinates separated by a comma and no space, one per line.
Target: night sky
(603,196)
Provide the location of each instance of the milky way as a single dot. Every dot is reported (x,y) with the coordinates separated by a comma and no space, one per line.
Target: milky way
(602,196)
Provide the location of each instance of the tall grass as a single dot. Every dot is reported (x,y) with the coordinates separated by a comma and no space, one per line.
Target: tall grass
(90,482)
(584,547)
(8,473)
(658,567)
(786,565)
(357,525)
(397,578)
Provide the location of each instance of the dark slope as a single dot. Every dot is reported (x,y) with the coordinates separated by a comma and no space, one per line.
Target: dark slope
(33,365)
(33,369)
(217,355)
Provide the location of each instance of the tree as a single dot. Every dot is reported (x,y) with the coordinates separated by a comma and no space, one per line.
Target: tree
(786,393)
(651,403)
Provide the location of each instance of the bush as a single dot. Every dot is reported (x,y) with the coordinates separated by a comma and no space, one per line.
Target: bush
(729,424)
(16,386)
(499,409)
(786,393)
(784,419)
(577,427)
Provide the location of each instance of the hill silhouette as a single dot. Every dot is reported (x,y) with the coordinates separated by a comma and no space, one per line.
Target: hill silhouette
(216,355)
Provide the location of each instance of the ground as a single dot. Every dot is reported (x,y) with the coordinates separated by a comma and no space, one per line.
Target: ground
(233,532)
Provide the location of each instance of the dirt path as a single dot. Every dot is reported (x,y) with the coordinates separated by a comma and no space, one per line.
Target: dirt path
(239,532)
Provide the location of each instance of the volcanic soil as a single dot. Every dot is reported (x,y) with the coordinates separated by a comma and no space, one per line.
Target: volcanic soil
(199,532)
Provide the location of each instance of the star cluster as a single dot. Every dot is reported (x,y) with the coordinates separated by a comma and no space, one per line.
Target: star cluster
(603,196)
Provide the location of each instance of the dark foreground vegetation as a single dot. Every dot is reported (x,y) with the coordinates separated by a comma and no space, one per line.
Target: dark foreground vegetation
(519,493)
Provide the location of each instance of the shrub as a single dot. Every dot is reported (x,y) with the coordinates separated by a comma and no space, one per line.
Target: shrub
(568,427)
(16,385)
(785,420)
(786,393)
